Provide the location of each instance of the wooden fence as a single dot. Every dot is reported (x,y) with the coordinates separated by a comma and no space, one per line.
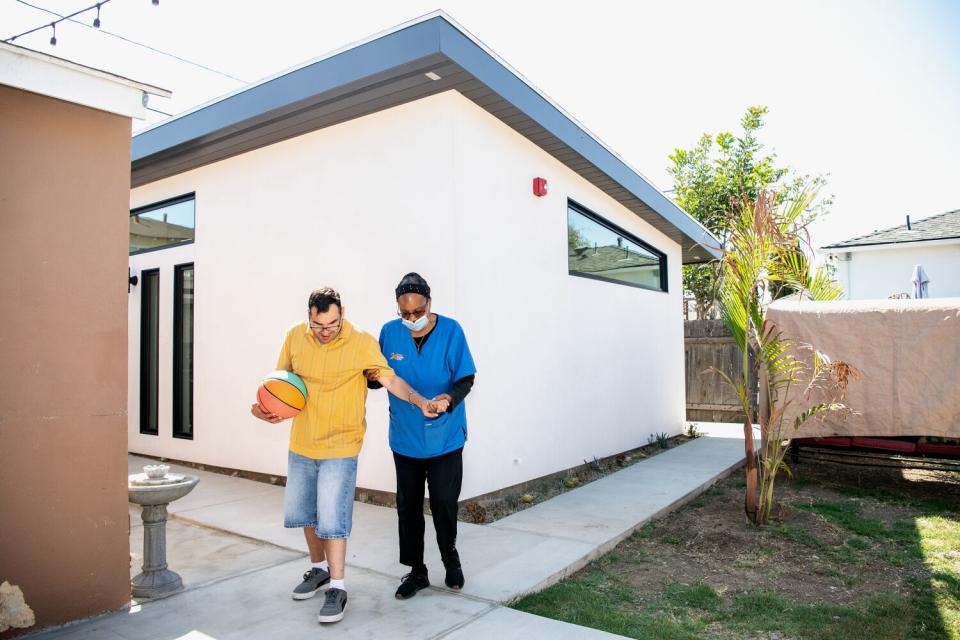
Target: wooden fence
(708,343)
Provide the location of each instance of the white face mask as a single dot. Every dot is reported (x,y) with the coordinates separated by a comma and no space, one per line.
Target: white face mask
(418,325)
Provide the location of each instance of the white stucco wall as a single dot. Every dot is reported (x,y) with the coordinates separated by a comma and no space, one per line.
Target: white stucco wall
(878,272)
(164,260)
(569,368)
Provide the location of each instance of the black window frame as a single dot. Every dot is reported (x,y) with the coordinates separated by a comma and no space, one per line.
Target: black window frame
(160,205)
(145,390)
(178,431)
(603,222)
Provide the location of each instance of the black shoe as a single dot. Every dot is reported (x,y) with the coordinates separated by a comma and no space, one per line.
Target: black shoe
(411,583)
(454,578)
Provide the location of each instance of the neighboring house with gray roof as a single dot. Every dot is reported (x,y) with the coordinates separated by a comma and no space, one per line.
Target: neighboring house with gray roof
(416,150)
(615,261)
(880,264)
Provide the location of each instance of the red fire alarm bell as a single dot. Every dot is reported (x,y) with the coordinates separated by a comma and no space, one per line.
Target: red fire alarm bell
(539,187)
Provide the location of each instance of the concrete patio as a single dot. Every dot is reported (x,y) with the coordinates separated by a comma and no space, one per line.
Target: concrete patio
(239,564)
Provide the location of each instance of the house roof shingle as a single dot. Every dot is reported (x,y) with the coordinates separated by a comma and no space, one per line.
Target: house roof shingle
(943,226)
(608,258)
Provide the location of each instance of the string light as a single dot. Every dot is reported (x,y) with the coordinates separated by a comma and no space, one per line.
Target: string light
(133,42)
(53,40)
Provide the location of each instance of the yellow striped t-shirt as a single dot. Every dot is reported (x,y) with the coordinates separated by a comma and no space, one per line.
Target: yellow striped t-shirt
(334,421)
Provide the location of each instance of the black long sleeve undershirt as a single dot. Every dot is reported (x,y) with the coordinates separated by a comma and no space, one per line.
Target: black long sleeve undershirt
(460,390)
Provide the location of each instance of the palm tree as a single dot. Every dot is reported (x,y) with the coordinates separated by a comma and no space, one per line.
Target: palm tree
(762,256)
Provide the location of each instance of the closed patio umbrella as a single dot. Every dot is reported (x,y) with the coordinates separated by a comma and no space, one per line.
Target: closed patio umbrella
(920,281)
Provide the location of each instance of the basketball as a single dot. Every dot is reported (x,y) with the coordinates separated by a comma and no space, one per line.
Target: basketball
(283,393)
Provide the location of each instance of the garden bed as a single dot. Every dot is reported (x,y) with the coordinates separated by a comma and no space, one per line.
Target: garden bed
(854,553)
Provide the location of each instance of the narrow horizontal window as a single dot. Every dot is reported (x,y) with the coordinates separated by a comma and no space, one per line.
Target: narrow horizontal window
(162,225)
(599,249)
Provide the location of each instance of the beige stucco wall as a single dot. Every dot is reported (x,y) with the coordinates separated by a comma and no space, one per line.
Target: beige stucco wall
(64,188)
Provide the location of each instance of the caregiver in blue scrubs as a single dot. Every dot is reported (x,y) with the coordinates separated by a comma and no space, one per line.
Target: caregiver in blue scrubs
(430,352)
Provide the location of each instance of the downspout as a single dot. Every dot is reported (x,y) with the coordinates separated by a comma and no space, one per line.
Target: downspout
(849,262)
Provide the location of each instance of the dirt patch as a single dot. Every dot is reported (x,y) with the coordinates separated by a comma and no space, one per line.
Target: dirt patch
(839,535)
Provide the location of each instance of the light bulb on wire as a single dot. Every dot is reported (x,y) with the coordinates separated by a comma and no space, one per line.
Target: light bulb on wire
(53,25)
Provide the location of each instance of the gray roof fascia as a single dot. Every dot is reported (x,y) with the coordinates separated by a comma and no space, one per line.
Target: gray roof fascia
(850,244)
(376,56)
(511,87)
(434,34)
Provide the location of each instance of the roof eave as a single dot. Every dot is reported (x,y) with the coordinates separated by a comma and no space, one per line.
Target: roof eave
(433,37)
(837,248)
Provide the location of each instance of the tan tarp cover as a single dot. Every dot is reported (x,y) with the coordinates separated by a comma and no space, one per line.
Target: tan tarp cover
(908,352)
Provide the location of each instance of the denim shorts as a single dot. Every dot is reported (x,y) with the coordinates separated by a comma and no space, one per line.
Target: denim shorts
(319,494)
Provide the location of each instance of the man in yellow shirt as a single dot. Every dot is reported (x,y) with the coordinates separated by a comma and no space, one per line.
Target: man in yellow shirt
(331,356)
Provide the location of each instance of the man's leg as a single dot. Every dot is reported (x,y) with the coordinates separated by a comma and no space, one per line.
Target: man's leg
(300,510)
(336,552)
(336,483)
(444,479)
(314,545)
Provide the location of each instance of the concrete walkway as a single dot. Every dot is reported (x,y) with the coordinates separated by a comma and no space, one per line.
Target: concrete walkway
(239,564)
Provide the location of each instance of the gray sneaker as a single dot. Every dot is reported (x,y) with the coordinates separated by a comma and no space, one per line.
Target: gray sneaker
(333,606)
(312,581)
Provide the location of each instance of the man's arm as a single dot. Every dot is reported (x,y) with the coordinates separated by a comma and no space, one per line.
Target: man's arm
(378,370)
(284,363)
(398,387)
(263,414)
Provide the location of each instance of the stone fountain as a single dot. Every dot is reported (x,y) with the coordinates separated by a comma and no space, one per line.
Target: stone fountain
(154,489)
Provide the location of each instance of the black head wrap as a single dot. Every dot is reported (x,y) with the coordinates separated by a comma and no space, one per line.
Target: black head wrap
(413,283)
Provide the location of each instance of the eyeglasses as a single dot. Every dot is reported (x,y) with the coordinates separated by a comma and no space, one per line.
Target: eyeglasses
(412,315)
(325,329)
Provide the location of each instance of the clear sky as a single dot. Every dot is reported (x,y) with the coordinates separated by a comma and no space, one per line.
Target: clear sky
(865,91)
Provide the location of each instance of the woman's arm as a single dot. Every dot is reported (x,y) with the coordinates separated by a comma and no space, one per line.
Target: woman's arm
(458,392)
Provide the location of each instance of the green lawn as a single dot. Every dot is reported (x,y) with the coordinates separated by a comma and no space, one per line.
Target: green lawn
(896,559)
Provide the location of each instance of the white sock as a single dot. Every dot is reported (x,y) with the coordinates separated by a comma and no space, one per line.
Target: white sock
(338,584)
(320,565)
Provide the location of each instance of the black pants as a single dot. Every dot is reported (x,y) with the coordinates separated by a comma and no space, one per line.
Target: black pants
(443,475)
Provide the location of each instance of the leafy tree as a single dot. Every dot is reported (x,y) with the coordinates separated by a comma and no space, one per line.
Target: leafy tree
(575,239)
(722,171)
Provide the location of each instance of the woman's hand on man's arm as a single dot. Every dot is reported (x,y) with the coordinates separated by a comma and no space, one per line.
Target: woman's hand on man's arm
(373,378)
